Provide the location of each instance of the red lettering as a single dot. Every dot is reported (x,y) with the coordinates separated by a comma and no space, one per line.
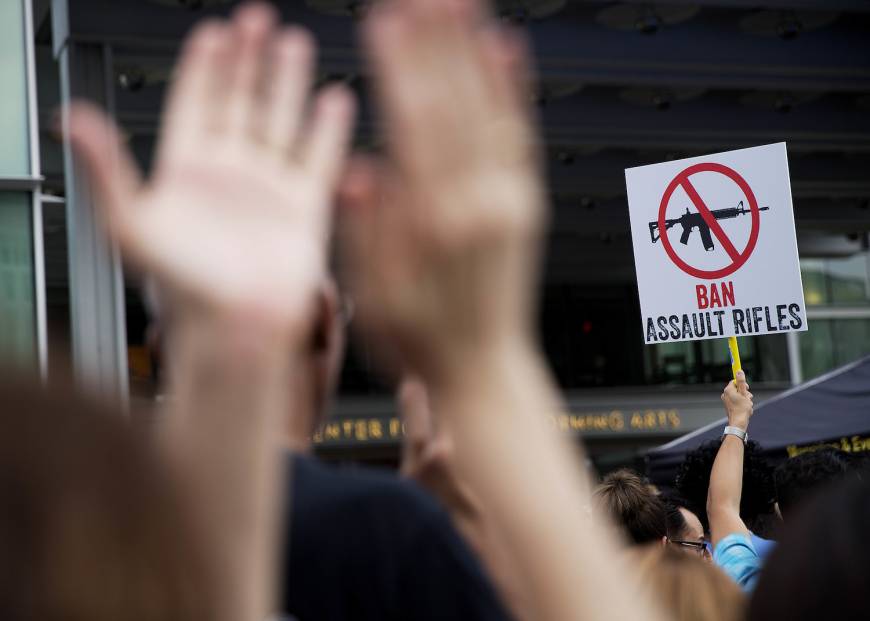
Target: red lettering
(714,297)
(701,292)
(727,293)
(718,296)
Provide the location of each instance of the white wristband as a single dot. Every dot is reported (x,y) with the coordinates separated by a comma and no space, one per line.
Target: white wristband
(736,431)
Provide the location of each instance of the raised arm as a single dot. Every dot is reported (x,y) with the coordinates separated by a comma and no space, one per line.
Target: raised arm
(445,241)
(233,226)
(726,478)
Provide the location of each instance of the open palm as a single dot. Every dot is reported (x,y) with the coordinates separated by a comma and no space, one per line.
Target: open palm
(236,213)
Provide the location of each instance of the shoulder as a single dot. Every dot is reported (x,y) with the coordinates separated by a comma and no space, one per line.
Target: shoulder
(738,558)
(320,486)
(367,510)
(386,540)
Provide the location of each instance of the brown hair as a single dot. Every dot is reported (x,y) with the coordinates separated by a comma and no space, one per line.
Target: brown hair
(626,498)
(689,588)
(92,527)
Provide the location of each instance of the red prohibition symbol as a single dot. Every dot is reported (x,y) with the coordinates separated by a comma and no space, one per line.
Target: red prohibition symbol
(738,258)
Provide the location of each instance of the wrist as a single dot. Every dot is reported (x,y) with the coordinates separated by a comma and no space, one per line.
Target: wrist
(739,420)
(237,324)
(464,368)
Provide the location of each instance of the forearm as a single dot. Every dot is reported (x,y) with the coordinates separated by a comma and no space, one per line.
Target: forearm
(228,398)
(498,407)
(724,492)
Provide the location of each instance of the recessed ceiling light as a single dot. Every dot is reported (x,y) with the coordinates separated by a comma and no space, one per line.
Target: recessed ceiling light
(644,18)
(786,25)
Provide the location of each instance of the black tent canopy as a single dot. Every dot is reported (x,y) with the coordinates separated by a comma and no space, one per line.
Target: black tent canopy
(833,409)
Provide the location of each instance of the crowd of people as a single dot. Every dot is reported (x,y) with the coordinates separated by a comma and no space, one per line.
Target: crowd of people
(221,512)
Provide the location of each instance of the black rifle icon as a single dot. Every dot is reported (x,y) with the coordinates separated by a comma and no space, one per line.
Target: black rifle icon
(691,221)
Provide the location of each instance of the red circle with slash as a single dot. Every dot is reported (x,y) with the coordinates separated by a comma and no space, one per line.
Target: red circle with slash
(737,258)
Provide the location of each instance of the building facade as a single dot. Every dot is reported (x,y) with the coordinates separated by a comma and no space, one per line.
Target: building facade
(619,85)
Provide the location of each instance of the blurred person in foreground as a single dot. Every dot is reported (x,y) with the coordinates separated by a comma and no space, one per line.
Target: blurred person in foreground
(398,557)
(231,226)
(820,569)
(361,543)
(627,499)
(443,246)
(94,525)
(733,549)
(689,588)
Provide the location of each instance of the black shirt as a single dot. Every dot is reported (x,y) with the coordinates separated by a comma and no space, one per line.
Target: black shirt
(368,545)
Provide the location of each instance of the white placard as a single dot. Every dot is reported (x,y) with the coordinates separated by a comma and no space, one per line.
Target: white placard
(715,247)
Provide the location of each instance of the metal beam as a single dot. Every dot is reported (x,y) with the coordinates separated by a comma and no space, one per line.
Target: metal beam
(99,338)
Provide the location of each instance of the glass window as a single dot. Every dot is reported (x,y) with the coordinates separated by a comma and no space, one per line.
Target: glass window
(17,304)
(14,146)
(815,286)
(842,281)
(848,280)
(830,343)
(765,359)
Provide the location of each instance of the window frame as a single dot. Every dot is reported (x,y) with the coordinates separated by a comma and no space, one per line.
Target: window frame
(32,184)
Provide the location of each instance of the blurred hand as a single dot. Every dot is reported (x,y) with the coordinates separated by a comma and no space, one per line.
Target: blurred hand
(427,457)
(738,401)
(236,214)
(443,237)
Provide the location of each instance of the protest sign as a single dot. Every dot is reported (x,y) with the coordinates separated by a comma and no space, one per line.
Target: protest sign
(715,247)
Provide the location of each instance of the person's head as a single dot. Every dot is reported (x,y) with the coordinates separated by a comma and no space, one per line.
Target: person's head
(92,525)
(625,497)
(821,565)
(685,530)
(799,477)
(687,588)
(756,501)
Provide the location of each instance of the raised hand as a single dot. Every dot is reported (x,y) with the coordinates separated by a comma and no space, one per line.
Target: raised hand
(738,401)
(236,213)
(233,223)
(443,237)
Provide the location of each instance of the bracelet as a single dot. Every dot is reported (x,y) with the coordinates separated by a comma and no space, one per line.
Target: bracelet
(736,431)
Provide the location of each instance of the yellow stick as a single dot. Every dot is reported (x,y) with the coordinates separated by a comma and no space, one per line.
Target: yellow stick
(735,355)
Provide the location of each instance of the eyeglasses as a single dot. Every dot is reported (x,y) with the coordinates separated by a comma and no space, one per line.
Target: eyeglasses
(700,547)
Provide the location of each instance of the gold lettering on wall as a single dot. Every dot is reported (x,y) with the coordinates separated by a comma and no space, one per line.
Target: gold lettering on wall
(365,429)
(853,444)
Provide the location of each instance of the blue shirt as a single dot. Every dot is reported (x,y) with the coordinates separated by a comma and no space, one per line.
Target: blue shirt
(763,546)
(738,558)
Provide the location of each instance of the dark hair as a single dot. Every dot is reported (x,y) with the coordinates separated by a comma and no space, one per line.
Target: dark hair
(797,478)
(92,525)
(756,501)
(821,563)
(675,520)
(627,498)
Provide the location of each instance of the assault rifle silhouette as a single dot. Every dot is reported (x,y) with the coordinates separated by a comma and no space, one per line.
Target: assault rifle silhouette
(691,221)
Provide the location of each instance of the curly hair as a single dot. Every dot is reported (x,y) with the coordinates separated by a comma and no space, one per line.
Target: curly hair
(756,502)
(799,477)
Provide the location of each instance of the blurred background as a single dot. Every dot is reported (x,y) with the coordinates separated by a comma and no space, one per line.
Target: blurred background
(620,85)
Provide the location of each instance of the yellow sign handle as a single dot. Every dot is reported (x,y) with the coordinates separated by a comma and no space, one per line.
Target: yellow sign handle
(735,355)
